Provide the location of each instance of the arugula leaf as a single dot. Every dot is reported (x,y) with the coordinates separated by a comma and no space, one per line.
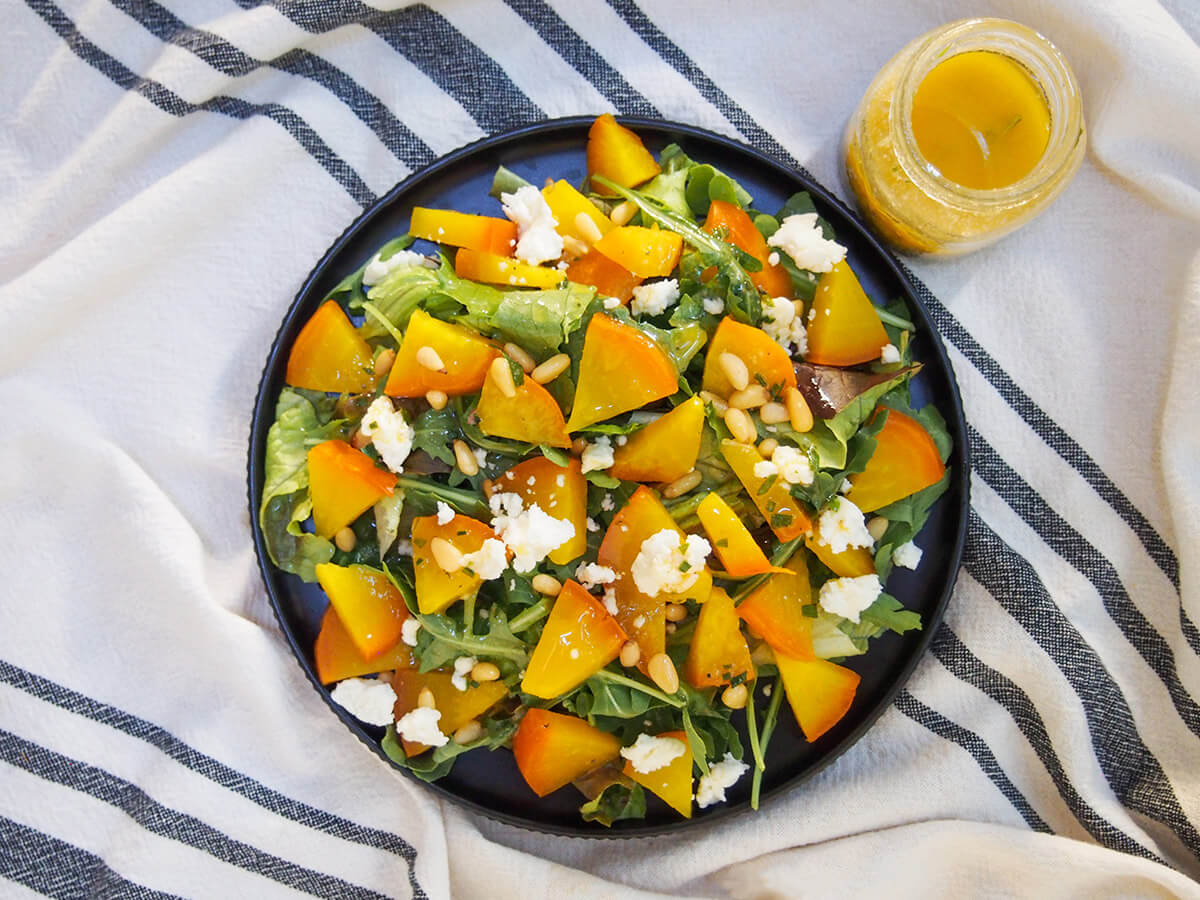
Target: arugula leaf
(437,763)
(906,517)
(435,431)
(466,502)
(827,484)
(858,410)
(442,640)
(622,799)
(888,614)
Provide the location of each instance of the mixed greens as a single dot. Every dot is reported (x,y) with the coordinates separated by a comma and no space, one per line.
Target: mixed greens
(603,481)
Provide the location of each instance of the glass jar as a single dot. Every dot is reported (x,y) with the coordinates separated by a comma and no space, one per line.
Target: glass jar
(904,197)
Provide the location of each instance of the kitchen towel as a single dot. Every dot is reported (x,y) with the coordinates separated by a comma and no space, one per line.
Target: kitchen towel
(169,173)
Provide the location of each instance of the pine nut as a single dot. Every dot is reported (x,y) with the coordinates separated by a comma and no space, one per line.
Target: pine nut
(740,425)
(436,399)
(717,403)
(588,229)
(465,459)
(502,375)
(735,696)
(768,447)
(425,699)
(345,539)
(662,672)
(877,527)
(428,357)
(520,357)
(488,488)
(578,446)
(798,412)
(670,627)
(446,555)
(750,397)
(551,369)
(735,370)
(472,731)
(623,212)
(484,671)
(546,584)
(676,612)
(549,181)
(630,654)
(360,439)
(574,246)
(773,413)
(682,485)
(384,361)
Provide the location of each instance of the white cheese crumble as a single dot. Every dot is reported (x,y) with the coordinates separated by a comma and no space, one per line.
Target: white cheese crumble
(801,238)
(445,515)
(480,456)
(368,699)
(389,432)
(377,269)
(764,468)
(591,575)
(462,668)
(537,240)
(793,464)
(654,298)
(650,753)
(611,302)
(607,504)
(664,564)
(404,548)
(714,306)
(598,454)
(773,259)
(530,534)
(907,555)
(889,354)
(408,631)
(592,525)
(848,597)
(784,326)
(489,561)
(419,726)
(610,601)
(721,775)
(843,528)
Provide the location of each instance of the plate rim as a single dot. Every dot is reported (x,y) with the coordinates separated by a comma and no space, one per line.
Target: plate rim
(956,421)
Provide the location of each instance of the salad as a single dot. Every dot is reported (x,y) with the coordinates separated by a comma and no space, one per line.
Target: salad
(601,479)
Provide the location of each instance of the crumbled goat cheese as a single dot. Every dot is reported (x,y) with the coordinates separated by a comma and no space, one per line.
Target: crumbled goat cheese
(907,555)
(650,753)
(591,575)
(607,504)
(408,631)
(889,354)
(843,528)
(404,548)
(530,533)
(610,601)
(592,525)
(846,485)
(377,269)
(598,454)
(764,468)
(368,699)
(537,240)
(784,326)
(489,561)
(611,302)
(801,238)
(665,565)
(654,298)
(462,668)
(714,306)
(721,775)
(848,597)
(480,456)
(773,259)
(445,515)
(419,726)
(389,432)
(793,464)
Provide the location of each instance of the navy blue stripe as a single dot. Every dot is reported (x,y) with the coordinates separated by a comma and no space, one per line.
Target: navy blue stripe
(212,769)
(229,60)
(234,107)
(169,823)
(1190,634)
(1048,430)
(434,46)
(1062,537)
(57,869)
(582,57)
(979,750)
(966,666)
(1129,767)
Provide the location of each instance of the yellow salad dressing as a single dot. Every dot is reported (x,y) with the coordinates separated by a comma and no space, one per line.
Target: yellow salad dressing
(980,120)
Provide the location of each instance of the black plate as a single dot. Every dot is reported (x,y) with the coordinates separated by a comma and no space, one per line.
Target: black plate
(489,783)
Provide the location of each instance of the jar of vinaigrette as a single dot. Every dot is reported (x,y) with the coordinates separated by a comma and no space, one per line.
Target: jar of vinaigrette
(965,135)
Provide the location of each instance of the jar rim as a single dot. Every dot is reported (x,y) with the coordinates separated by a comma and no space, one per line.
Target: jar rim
(1044,63)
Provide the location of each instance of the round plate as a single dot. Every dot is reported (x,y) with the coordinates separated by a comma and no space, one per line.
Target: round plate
(489,783)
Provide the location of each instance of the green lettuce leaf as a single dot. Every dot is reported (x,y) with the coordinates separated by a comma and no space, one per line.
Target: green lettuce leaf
(623,799)
(349,291)
(442,640)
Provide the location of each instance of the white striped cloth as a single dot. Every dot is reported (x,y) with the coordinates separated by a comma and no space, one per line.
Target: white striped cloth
(169,172)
